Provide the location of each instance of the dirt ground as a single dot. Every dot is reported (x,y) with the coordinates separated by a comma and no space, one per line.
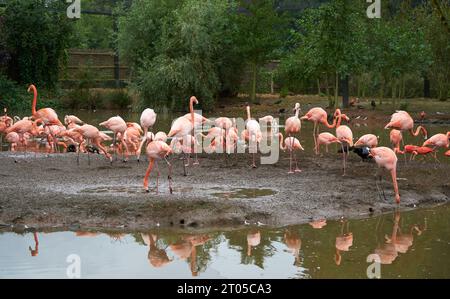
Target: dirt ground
(53,192)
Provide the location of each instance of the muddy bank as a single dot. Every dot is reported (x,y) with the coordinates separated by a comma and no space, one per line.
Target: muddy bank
(52,191)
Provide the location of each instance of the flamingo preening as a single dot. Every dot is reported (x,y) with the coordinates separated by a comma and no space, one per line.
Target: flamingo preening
(344,135)
(118,126)
(148,119)
(327,139)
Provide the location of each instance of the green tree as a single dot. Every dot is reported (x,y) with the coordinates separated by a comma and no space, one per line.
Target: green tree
(37,35)
(260,34)
(180,49)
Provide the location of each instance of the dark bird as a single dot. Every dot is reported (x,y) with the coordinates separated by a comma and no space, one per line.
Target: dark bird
(72,148)
(373,104)
(93,149)
(362,152)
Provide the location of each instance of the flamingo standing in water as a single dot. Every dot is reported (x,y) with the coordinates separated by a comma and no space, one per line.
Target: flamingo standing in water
(254,133)
(401,120)
(117,125)
(386,158)
(327,139)
(157,150)
(318,116)
(344,135)
(148,119)
(368,140)
(292,144)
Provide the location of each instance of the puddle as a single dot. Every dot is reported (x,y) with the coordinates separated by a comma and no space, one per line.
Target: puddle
(244,193)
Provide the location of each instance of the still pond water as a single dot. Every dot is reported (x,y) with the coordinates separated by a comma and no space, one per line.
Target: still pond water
(410,244)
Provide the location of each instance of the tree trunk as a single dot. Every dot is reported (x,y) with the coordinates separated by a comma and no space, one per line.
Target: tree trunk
(336,89)
(253,90)
(426,87)
(330,99)
(382,90)
(345,91)
(318,87)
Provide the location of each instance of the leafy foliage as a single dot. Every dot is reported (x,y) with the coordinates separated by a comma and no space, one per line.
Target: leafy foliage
(36,38)
(180,50)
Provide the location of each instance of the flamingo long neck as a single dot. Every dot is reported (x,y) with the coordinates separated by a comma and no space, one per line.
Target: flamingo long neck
(418,130)
(296,112)
(249,117)
(33,106)
(330,126)
(339,119)
(280,138)
(191,110)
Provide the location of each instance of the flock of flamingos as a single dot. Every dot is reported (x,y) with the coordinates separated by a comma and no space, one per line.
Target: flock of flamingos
(223,136)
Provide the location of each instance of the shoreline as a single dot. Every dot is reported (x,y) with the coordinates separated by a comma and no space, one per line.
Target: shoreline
(51,191)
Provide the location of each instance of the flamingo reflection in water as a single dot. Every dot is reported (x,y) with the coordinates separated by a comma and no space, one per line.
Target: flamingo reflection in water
(343,242)
(35,251)
(187,248)
(294,244)
(157,257)
(397,242)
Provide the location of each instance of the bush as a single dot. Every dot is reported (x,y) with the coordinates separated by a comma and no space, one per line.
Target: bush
(118,99)
(284,92)
(17,100)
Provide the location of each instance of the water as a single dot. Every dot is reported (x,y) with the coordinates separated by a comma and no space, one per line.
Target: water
(299,251)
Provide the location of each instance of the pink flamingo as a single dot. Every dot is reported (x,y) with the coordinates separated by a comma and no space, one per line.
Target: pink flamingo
(293,125)
(157,150)
(327,139)
(117,125)
(184,126)
(292,144)
(93,135)
(385,157)
(14,139)
(148,119)
(132,139)
(47,115)
(401,120)
(396,137)
(254,134)
(438,140)
(344,135)
(368,140)
(318,116)
(72,119)
(447,153)
(253,240)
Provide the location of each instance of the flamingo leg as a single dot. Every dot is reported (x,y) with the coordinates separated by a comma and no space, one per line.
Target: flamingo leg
(89,153)
(380,190)
(169,177)
(296,164)
(78,154)
(314,134)
(147,174)
(157,177)
(343,157)
(184,165)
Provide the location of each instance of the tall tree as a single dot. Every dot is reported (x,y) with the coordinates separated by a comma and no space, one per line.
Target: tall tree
(37,36)
(260,33)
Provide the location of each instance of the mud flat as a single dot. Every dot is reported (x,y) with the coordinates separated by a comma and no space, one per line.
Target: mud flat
(53,192)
